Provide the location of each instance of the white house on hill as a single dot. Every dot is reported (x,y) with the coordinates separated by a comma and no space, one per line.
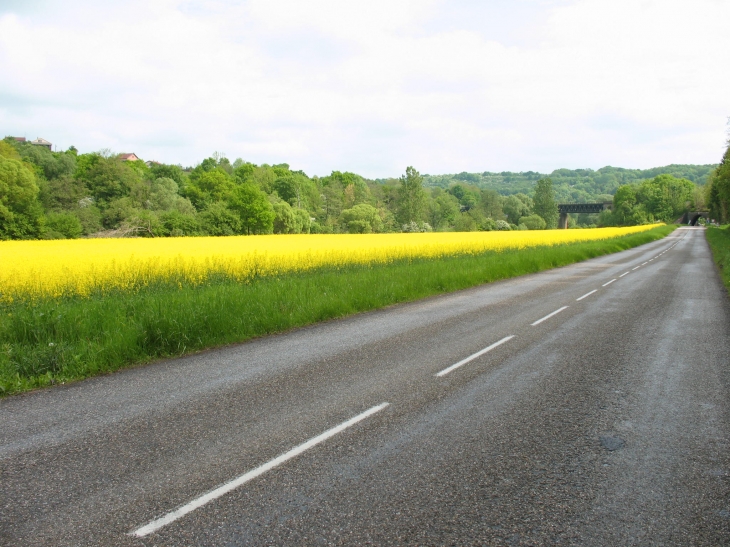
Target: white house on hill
(40,141)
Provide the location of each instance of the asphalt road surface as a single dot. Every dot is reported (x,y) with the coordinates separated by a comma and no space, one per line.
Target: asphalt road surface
(476,418)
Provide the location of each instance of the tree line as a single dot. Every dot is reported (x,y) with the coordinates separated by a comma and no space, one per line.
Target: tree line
(573,185)
(51,195)
(717,192)
(665,198)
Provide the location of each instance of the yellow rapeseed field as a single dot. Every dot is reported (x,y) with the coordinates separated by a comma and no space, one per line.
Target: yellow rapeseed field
(37,269)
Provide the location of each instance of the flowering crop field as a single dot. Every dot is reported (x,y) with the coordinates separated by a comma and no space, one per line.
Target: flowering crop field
(59,268)
(71,309)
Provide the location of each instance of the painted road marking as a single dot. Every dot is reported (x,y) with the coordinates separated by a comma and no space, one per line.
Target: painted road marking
(607,284)
(472,357)
(632,269)
(586,295)
(246,477)
(623,274)
(645,263)
(548,316)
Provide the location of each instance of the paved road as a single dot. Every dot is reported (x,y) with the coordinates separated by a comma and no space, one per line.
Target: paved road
(607,423)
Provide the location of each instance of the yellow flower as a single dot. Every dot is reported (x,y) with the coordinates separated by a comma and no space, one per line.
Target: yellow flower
(82,267)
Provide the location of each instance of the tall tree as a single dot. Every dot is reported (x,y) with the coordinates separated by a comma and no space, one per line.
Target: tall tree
(624,205)
(545,204)
(20,210)
(718,190)
(666,197)
(411,197)
(517,206)
(252,205)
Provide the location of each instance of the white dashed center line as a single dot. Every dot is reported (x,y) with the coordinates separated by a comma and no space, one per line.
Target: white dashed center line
(548,316)
(246,477)
(586,295)
(472,357)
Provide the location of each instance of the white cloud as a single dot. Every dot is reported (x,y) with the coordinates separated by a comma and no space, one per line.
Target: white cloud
(374,86)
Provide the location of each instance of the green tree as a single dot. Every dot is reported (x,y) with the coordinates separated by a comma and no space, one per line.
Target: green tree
(51,164)
(292,189)
(8,150)
(63,193)
(545,205)
(665,197)
(411,197)
(288,220)
(209,187)
(464,222)
(164,192)
(176,224)
(117,212)
(62,226)
(624,202)
(332,200)
(517,206)
(173,172)
(468,196)
(218,220)
(284,221)
(107,178)
(718,190)
(490,203)
(20,210)
(443,209)
(253,208)
(90,217)
(533,222)
(304,221)
(362,219)
(264,177)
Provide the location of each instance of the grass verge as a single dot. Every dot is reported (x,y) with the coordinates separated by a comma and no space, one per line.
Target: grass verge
(56,341)
(719,240)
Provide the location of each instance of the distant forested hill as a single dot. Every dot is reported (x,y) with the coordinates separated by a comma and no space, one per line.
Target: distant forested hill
(68,194)
(571,185)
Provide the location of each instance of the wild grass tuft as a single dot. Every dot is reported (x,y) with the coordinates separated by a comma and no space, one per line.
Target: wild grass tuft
(719,240)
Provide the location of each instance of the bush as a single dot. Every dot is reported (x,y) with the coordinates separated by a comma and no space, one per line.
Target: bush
(90,217)
(414,226)
(488,224)
(174,223)
(66,225)
(465,223)
(362,219)
(533,222)
(359,227)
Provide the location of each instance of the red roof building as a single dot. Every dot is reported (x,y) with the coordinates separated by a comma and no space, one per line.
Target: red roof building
(128,157)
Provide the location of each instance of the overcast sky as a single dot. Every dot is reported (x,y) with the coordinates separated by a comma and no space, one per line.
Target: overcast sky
(373,86)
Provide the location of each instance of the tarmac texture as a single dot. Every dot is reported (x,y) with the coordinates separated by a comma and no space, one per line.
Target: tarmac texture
(580,406)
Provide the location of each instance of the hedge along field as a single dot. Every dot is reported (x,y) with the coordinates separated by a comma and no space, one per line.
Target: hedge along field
(56,329)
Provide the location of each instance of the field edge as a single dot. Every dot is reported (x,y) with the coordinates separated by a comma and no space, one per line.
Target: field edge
(53,343)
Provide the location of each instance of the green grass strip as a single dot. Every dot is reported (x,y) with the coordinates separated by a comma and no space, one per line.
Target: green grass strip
(55,341)
(719,240)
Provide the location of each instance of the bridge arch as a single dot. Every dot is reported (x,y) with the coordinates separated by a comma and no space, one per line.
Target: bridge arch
(565,208)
